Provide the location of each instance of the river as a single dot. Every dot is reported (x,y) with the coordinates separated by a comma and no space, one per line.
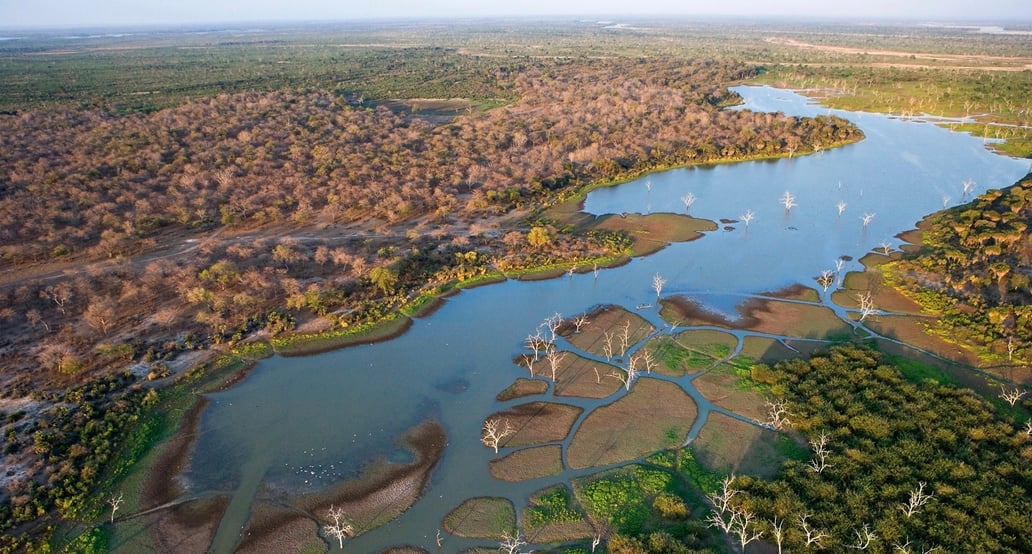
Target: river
(303,423)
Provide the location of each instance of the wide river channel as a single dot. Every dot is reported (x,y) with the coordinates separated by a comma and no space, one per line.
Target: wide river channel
(304,423)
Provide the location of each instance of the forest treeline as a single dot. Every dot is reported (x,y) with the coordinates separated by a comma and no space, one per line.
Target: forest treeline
(144,235)
(974,268)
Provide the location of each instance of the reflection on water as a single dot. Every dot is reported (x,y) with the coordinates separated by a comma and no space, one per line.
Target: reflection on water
(305,421)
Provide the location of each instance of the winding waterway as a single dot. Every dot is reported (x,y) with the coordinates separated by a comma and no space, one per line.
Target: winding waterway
(304,423)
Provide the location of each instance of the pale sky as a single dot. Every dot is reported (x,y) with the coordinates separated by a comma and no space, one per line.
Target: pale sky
(80,13)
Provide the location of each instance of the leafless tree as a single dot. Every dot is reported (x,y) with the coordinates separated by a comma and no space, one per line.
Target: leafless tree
(595,541)
(649,360)
(628,375)
(555,358)
(648,185)
(1011,347)
(864,537)
(744,528)
(689,200)
(511,543)
(867,218)
(607,346)
(969,186)
(918,498)
(35,318)
(1011,396)
(722,499)
(529,361)
(594,270)
(657,284)
(1028,428)
(340,528)
(826,279)
(866,304)
(777,531)
(579,321)
(115,502)
(813,536)
(536,343)
(552,323)
(625,339)
(747,217)
(788,201)
(495,430)
(820,451)
(60,294)
(571,271)
(440,539)
(841,207)
(839,264)
(905,548)
(777,414)
(886,247)
(946,201)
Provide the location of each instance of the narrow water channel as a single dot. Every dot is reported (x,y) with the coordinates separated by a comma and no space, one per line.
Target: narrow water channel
(301,424)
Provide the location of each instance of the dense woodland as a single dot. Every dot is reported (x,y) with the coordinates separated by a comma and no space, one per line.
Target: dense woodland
(974,268)
(885,439)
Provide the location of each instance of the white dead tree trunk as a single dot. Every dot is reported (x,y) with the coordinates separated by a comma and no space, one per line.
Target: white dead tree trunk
(115,502)
(1011,396)
(579,321)
(555,358)
(841,207)
(535,342)
(747,217)
(494,432)
(864,537)
(788,201)
(777,531)
(552,324)
(777,414)
(649,360)
(866,304)
(820,451)
(867,218)
(689,200)
(625,339)
(918,498)
(511,543)
(813,536)
(657,284)
(339,529)
(826,279)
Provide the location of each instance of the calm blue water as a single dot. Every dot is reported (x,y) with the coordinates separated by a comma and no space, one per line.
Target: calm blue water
(303,423)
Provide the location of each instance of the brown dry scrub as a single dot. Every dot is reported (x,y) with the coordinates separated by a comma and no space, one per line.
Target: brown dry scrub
(523,387)
(529,463)
(538,422)
(585,378)
(654,415)
(721,387)
(761,315)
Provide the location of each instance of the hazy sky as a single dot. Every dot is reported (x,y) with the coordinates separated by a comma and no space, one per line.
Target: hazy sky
(35,13)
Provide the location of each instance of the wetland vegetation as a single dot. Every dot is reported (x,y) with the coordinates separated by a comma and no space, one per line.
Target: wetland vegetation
(230,195)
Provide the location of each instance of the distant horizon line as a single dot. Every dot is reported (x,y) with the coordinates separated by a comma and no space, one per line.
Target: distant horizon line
(238,25)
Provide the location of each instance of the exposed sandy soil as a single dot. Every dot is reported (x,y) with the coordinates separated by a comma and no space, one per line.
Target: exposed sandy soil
(538,422)
(654,415)
(529,463)
(729,445)
(482,517)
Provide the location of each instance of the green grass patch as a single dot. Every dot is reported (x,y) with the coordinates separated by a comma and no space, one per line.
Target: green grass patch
(917,371)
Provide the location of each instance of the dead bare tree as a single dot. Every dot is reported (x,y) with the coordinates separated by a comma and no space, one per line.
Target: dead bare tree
(511,543)
(649,360)
(552,323)
(495,430)
(864,537)
(866,304)
(579,321)
(820,451)
(555,358)
(968,186)
(886,247)
(625,339)
(777,414)
(867,218)
(689,200)
(826,279)
(440,539)
(1011,396)
(813,536)
(918,498)
(528,361)
(594,270)
(841,207)
(657,284)
(905,548)
(744,528)
(340,529)
(788,201)
(1028,428)
(535,342)
(628,375)
(777,531)
(607,346)
(747,217)
(115,502)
